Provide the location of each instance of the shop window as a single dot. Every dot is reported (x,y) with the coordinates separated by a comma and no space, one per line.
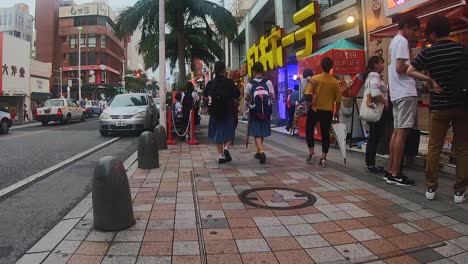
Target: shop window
(103,41)
(104,58)
(84,55)
(73,59)
(92,40)
(73,41)
(9,19)
(83,40)
(101,21)
(92,58)
(17,34)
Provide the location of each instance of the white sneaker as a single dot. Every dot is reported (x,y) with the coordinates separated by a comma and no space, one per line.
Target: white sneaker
(430,194)
(459,197)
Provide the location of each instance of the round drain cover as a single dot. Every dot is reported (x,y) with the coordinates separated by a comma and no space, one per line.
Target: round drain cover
(285,198)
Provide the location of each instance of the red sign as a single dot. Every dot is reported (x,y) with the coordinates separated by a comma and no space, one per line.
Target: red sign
(345,62)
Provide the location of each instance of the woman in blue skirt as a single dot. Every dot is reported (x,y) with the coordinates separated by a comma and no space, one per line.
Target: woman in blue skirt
(258,94)
(221,93)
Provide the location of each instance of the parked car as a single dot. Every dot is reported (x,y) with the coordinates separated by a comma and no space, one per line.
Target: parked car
(62,110)
(129,112)
(91,108)
(5,121)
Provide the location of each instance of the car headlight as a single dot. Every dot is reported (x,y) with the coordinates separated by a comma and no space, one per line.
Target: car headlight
(140,115)
(104,116)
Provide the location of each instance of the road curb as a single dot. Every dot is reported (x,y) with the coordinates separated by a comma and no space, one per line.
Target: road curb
(40,175)
(25,126)
(39,251)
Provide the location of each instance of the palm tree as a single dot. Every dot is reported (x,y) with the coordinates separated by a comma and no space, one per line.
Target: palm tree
(190,33)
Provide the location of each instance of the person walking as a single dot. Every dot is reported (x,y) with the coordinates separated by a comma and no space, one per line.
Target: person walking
(442,60)
(403,95)
(258,94)
(25,113)
(325,95)
(187,105)
(290,108)
(379,94)
(221,93)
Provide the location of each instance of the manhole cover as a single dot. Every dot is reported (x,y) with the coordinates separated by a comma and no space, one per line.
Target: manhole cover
(286,198)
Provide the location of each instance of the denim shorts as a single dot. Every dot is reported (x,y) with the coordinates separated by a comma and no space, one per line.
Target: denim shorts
(404,112)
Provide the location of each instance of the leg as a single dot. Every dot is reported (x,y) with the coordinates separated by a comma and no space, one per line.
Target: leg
(399,149)
(259,144)
(220,149)
(326,118)
(371,147)
(439,124)
(391,150)
(311,122)
(460,129)
(290,117)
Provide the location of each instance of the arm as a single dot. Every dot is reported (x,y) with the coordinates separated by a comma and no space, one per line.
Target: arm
(247,95)
(401,66)
(271,90)
(414,70)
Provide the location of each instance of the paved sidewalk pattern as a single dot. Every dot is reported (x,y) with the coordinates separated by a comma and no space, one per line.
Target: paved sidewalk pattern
(188,211)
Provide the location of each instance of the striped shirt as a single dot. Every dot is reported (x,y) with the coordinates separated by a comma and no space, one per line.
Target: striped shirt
(441,60)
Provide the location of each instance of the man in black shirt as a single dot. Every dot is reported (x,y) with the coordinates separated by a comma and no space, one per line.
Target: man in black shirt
(441,61)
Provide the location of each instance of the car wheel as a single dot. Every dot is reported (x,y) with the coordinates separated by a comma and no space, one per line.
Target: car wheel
(45,123)
(68,120)
(104,133)
(4,128)
(83,117)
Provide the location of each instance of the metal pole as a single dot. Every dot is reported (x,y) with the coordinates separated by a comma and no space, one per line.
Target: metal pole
(162,63)
(123,74)
(61,85)
(79,62)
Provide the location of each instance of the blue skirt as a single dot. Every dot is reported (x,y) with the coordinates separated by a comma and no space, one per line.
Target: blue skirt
(260,128)
(220,131)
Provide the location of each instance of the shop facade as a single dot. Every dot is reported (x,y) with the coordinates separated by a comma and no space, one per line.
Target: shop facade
(14,78)
(382,24)
(39,86)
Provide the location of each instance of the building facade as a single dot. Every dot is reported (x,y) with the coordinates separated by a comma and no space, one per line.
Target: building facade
(17,22)
(71,29)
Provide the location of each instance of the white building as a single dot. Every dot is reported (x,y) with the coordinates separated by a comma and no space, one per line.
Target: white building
(17,21)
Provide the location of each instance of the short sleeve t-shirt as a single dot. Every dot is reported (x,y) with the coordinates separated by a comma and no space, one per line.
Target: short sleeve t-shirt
(401,85)
(248,87)
(309,89)
(328,92)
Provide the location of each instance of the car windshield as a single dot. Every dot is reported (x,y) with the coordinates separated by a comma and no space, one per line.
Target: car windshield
(129,100)
(85,103)
(49,103)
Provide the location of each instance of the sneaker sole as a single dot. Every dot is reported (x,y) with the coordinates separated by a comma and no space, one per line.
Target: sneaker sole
(399,184)
(430,197)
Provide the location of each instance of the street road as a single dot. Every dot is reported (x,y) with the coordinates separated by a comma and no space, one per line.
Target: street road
(30,213)
(26,151)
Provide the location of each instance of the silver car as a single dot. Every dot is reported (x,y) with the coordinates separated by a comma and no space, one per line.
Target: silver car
(129,112)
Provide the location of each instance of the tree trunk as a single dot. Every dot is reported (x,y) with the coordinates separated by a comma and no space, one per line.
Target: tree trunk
(181,49)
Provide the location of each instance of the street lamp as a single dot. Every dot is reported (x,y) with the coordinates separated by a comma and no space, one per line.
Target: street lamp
(80,29)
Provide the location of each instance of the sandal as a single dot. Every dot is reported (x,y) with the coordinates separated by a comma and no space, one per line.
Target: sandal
(323,162)
(309,158)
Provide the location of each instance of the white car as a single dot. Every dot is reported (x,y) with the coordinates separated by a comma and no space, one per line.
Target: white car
(5,122)
(62,110)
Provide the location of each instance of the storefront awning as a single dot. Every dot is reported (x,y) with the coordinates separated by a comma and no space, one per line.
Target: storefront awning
(457,14)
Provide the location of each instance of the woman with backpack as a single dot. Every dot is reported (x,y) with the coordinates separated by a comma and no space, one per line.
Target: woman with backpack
(221,93)
(258,94)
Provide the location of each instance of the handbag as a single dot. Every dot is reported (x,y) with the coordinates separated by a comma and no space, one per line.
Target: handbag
(370,111)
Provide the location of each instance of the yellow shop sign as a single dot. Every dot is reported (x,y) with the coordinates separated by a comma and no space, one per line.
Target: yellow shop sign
(270,49)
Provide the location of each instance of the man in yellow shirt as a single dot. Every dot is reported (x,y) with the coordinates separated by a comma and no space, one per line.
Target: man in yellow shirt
(325,96)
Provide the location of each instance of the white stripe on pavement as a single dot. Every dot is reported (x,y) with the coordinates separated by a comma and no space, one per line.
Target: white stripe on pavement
(45,172)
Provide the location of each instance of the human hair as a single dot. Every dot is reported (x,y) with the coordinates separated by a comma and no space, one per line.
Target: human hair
(190,87)
(219,67)
(439,25)
(374,60)
(408,20)
(307,73)
(178,96)
(257,68)
(296,87)
(327,64)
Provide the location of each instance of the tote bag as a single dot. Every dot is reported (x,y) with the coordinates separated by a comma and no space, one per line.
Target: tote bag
(368,113)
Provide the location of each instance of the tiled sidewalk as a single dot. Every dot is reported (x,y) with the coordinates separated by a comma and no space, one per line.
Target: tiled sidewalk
(181,222)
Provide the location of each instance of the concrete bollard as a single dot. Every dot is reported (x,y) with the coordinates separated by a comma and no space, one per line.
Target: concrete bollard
(112,201)
(161,137)
(148,156)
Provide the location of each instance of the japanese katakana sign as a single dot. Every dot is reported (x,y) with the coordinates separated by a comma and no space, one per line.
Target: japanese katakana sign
(270,50)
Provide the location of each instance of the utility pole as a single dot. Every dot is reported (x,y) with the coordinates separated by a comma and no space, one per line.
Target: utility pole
(80,29)
(61,85)
(162,63)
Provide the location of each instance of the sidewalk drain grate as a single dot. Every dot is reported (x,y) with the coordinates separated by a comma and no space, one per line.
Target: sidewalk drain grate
(282,195)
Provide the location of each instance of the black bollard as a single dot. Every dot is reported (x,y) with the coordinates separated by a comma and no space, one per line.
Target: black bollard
(112,202)
(161,137)
(148,156)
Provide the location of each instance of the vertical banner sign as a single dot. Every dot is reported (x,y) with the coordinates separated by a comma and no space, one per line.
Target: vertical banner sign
(1,63)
